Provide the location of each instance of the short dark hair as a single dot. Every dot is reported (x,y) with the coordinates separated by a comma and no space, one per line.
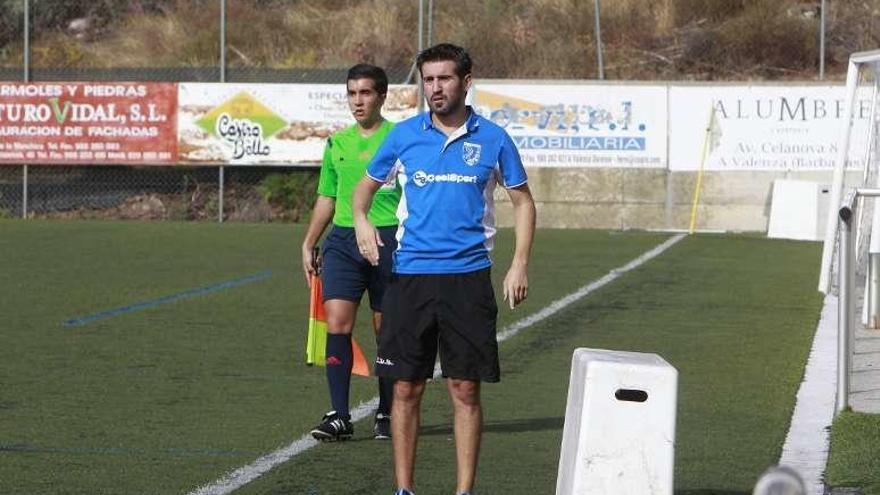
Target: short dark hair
(367,71)
(446,51)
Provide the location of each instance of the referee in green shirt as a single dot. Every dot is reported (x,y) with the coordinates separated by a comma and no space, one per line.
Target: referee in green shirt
(345,274)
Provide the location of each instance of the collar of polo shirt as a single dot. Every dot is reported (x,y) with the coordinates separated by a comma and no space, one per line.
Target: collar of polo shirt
(471,123)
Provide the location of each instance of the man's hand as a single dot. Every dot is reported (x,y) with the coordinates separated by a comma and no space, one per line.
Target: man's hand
(516,284)
(311,261)
(322,213)
(368,240)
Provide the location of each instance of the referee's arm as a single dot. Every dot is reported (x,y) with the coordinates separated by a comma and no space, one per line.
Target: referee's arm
(367,236)
(322,215)
(516,282)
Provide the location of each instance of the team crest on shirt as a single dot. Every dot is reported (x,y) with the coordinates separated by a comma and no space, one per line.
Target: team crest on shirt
(470,153)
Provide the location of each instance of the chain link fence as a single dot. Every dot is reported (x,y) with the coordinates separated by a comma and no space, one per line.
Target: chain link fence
(156,40)
(297,41)
(303,41)
(250,194)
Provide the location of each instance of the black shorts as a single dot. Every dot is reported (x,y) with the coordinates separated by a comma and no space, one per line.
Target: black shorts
(345,274)
(455,313)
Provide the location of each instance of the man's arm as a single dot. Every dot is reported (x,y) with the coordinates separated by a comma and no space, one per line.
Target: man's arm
(322,214)
(368,238)
(516,282)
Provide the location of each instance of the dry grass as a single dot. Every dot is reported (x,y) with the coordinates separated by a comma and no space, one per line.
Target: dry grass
(662,39)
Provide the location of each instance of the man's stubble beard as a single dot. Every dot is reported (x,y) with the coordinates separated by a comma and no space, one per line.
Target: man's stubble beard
(448,109)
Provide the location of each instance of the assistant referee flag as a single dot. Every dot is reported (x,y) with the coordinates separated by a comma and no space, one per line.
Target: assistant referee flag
(316,343)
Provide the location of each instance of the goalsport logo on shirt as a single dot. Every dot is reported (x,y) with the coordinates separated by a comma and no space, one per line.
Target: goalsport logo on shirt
(421,179)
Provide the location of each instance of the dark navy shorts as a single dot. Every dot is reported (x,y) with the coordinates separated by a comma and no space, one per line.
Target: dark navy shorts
(454,314)
(345,274)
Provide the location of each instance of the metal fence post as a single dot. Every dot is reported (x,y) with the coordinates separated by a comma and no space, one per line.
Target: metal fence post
(220,178)
(844,306)
(222,40)
(221,183)
(27,41)
(24,192)
(27,78)
(421,90)
(822,40)
(430,22)
(599,42)
(872,291)
(421,25)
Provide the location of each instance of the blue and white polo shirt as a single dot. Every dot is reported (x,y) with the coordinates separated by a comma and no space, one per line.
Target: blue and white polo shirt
(446,210)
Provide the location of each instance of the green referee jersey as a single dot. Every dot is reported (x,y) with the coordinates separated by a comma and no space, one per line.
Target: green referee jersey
(346,157)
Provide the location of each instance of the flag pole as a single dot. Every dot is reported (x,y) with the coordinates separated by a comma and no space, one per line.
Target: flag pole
(699,184)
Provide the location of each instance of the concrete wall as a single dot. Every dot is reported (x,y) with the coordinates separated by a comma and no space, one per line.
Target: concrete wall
(618,198)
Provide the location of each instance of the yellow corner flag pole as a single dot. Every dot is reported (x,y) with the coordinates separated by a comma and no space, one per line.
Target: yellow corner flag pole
(699,185)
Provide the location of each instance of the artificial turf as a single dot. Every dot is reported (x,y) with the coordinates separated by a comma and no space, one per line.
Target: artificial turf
(854,460)
(170,397)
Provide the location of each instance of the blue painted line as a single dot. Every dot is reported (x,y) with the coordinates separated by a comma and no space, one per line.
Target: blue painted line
(13,448)
(198,291)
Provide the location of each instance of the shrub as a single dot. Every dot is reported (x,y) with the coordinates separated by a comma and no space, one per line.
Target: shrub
(663,39)
(295,192)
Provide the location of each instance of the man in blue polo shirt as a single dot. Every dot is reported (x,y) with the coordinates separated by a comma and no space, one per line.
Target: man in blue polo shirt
(448,162)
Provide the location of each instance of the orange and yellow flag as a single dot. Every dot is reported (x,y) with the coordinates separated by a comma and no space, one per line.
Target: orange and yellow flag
(316,343)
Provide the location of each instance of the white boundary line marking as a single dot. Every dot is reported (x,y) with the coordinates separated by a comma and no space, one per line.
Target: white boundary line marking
(245,474)
(559,304)
(806,444)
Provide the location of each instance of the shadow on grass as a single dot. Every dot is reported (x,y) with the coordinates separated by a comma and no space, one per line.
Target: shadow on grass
(510,426)
(553,423)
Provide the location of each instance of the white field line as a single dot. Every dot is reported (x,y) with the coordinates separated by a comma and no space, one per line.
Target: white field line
(806,444)
(557,305)
(245,474)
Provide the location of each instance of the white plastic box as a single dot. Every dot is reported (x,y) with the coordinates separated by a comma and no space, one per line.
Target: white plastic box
(619,434)
(798,210)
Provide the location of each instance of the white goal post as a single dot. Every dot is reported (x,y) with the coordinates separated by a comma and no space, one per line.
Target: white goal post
(862,80)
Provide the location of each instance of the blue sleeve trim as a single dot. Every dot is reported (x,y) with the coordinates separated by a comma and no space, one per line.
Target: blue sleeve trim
(515,186)
(381,181)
